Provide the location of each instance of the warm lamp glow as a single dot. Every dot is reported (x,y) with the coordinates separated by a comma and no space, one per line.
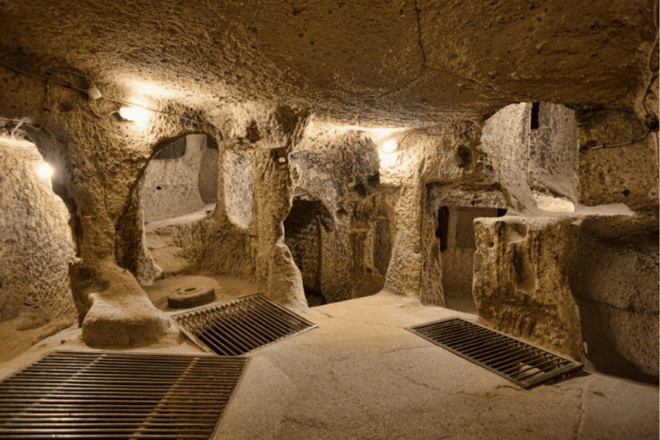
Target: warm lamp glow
(136,114)
(389,147)
(45,170)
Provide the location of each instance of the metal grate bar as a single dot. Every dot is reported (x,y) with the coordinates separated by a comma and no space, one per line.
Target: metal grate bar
(240,326)
(69,394)
(518,361)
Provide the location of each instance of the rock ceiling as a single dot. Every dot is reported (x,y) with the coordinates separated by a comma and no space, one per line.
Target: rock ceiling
(386,62)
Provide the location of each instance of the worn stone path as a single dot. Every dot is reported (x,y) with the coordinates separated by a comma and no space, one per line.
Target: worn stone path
(361,375)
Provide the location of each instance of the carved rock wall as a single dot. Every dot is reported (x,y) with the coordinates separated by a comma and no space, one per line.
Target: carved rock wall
(615,282)
(616,174)
(521,279)
(553,150)
(37,246)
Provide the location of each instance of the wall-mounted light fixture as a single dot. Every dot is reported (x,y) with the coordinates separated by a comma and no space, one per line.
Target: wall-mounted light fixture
(94,93)
(136,114)
(45,170)
(389,147)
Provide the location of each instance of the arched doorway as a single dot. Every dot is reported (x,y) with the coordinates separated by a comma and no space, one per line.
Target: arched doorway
(181,178)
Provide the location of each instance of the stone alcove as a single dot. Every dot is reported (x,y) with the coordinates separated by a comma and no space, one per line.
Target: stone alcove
(181,178)
(455,235)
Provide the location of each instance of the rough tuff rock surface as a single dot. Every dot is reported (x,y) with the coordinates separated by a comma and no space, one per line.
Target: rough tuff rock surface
(403,62)
(617,174)
(616,285)
(37,246)
(521,279)
(567,280)
(553,150)
(284,87)
(120,313)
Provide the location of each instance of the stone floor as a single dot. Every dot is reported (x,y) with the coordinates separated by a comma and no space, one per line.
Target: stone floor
(361,375)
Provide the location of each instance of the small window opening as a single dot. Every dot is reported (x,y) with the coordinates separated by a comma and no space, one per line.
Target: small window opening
(535,116)
(443,227)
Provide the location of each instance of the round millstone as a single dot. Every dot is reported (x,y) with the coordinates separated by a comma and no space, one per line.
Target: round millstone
(187,297)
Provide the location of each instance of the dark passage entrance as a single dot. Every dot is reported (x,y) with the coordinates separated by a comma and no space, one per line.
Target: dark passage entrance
(457,246)
(303,237)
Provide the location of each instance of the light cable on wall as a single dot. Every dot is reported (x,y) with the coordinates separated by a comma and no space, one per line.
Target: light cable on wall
(91,91)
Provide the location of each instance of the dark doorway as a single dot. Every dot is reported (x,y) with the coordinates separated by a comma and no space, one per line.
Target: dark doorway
(457,246)
(303,237)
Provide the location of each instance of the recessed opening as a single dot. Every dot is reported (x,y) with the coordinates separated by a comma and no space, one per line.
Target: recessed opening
(457,247)
(534,124)
(181,178)
(443,227)
(179,186)
(305,231)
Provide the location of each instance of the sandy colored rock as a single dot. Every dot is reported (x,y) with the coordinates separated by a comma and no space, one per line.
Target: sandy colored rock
(301,99)
(171,184)
(37,246)
(122,315)
(190,297)
(521,283)
(615,282)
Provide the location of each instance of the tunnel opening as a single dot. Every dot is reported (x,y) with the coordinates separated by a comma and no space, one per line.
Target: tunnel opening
(304,228)
(456,242)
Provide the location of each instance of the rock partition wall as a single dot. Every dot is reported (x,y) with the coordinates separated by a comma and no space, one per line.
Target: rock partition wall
(553,150)
(237,187)
(208,172)
(521,279)
(625,173)
(562,281)
(37,245)
(615,282)
(505,140)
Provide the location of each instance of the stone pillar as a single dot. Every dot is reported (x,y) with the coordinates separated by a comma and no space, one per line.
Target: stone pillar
(273,192)
(131,247)
(404,276)
(431,287)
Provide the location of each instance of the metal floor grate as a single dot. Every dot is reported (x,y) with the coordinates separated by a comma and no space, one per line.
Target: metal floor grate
(242,325)
(85,395)
(511,358)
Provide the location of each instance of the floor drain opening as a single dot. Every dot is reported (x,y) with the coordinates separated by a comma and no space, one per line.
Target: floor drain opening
(240,326)
(84,395)
(518,361)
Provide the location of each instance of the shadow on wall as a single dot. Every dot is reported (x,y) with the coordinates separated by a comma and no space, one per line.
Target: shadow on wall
(615,283)
(305,227)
